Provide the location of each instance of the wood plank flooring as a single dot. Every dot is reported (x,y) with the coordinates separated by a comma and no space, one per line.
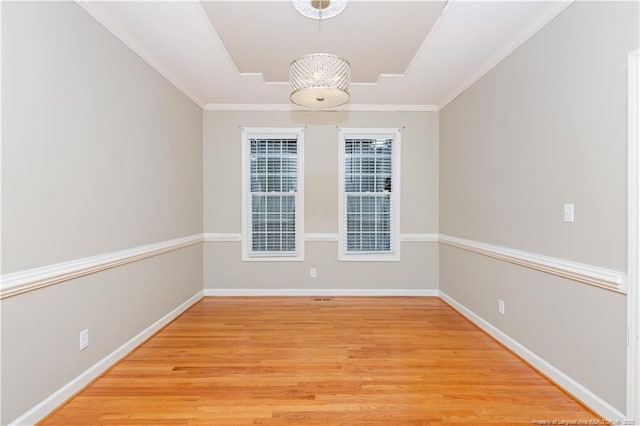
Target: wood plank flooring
(300,361)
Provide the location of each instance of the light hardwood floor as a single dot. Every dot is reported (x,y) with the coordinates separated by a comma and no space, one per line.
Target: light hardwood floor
(300,361)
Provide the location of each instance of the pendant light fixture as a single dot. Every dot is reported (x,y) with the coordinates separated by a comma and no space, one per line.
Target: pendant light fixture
(320,80)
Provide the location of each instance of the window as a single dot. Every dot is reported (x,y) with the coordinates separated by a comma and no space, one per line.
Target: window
(272,199)
(369,194)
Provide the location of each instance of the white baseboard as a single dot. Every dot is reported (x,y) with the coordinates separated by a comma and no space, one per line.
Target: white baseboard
(57,398)
(561,379)
(317,292)
(45,407)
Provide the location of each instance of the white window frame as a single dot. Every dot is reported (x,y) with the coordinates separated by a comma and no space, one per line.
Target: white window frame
(370,133)
(249,133)
(633,241)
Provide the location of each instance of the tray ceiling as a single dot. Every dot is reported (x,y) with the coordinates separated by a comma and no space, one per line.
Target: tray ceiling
(375,37)
(418,53)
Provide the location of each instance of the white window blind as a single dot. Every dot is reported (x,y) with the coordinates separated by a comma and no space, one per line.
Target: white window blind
(368,195)
(274,172)
(272,195)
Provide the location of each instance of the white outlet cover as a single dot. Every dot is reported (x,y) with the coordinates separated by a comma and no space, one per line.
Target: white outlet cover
(84,339)
(569,216)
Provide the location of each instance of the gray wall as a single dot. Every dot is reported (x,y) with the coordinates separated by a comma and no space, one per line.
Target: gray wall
(547,126)
(99,153)
(418,268)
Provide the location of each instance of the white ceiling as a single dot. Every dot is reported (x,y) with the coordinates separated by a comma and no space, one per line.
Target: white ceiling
(272,34)
(415,54)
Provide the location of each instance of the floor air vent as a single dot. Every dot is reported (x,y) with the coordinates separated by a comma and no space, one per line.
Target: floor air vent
(322,299)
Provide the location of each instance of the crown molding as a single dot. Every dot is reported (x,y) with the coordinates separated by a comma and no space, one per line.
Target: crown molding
(128,40)
(348,107)
(516,42)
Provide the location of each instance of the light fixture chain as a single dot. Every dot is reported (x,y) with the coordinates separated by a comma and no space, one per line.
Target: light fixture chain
(320,26)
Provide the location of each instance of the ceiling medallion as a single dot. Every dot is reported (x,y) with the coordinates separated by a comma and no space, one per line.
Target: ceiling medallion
(316,9)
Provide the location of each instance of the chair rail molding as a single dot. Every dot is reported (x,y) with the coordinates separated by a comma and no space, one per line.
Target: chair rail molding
(222,236)
(318,237)
(588,274)
(419,238)
(23,281)
(33,279)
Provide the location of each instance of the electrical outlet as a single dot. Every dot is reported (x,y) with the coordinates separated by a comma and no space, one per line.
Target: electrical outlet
(313,272)
(84,338)
(568,213)
(501,306)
